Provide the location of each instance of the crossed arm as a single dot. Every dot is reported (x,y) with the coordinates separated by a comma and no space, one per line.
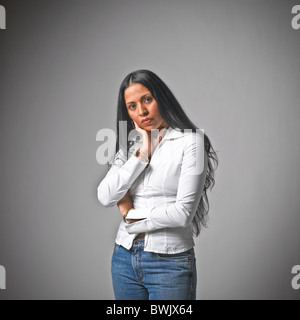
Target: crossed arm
(115,189)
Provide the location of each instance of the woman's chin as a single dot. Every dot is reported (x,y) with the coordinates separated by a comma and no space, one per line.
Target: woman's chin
(148,127)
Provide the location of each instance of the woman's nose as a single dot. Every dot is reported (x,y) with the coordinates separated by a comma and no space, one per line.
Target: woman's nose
(142,110)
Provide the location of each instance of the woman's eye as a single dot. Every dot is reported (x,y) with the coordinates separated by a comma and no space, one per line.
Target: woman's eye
(132,106)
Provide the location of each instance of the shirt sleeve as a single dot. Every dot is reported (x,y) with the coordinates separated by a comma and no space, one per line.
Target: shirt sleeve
(189,192)
(119,178)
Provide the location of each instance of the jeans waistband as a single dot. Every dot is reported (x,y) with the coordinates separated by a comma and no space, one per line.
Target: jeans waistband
(138,242)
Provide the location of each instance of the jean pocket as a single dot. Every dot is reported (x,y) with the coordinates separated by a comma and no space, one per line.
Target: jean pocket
(177,257)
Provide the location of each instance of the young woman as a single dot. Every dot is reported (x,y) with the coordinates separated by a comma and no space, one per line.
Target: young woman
(160,190)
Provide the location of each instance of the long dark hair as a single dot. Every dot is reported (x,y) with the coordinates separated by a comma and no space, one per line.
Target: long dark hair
(172,112)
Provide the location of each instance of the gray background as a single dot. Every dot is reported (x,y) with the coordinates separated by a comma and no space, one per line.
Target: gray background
(234,67)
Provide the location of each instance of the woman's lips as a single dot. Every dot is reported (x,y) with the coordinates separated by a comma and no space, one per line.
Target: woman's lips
(147,121)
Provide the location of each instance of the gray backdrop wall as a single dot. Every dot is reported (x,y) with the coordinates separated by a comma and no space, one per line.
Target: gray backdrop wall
(234,67)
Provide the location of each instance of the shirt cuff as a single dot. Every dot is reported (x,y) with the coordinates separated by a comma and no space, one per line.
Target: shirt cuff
(139,226)
(142,213)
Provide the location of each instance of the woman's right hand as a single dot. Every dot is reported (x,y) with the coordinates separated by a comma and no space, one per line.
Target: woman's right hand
(150,142)
(146,143)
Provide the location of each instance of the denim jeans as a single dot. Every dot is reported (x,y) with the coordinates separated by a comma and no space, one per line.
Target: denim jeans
(140,275)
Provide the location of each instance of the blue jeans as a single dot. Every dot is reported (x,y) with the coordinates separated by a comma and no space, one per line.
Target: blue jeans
(140,275)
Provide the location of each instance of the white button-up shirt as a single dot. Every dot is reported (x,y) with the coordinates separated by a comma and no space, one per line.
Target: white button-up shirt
(165,193)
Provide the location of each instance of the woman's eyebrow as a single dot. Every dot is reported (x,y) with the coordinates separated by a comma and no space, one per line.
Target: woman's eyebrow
(142,97)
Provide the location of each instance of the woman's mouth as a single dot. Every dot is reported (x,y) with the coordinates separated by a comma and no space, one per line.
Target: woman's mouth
(147,121)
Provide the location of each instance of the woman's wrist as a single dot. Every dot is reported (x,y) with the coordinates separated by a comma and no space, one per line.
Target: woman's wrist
(142,155)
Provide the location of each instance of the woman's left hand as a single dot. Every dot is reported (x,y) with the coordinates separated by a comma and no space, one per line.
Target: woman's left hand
(125,204)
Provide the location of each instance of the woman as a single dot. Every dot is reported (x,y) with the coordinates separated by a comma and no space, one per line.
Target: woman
(160,195)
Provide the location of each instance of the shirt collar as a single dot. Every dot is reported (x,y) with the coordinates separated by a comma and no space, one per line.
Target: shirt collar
(172,133)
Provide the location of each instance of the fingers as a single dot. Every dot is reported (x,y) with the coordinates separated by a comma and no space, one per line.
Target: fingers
(139,129)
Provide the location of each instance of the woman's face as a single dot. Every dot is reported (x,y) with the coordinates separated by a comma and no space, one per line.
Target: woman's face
(141,105)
